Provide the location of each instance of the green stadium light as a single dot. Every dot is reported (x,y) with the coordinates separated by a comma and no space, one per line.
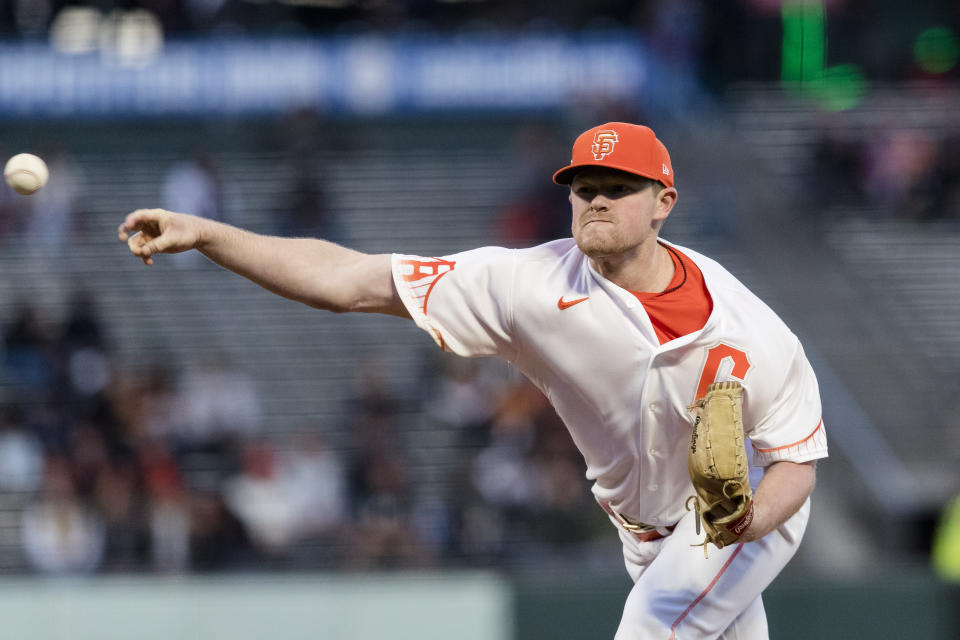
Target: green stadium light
(936,50)
(804,43)
(804,54)
(841,87)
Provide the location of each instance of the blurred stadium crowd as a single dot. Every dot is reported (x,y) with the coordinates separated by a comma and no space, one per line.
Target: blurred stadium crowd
(170,472)
(906,174)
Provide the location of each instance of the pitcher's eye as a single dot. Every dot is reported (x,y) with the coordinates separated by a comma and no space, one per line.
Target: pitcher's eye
(586,193)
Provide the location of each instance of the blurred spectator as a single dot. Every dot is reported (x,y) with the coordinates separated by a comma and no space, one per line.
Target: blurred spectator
(566,514)
(372,395)
(84,363)
(381,498)
(949,165)
(674,31)
(116,496)
(48,423)
(170,533)
(150,404)
(31,16)
(169,526)
(935,194)
(51,212)
(27,349)
(383,534)
(82,328)
(193,186)
(462,397)
(286,497)
(262,498)
(528,483)
(520,484)
(217,539)
(753,54)
(21,453)
(907,174)
(538,215)
(300,134)
(202,14)
(61,534)
(503,483)
(219,404)
(502,474)
(88,454)
(539,210)
(317,483)
(836,172)
(895,163)
(306,211)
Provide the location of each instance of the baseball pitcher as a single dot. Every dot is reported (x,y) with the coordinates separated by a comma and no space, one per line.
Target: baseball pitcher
(695,409)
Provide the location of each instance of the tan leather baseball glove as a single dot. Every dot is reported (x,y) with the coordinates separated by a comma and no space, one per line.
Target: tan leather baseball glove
(717,462)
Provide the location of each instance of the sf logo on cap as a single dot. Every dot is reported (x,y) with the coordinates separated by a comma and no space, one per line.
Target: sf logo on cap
(603,142)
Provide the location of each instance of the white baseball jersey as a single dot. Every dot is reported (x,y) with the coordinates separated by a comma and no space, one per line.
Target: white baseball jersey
(590,346)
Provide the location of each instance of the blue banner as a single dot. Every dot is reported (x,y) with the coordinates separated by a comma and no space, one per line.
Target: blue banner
(362,75)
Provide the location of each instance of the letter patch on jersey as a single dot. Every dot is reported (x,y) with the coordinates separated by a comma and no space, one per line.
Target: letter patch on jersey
(715,357)
(421,274)
(603,143)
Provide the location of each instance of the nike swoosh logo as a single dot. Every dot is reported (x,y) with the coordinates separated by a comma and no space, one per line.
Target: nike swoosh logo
(566,304)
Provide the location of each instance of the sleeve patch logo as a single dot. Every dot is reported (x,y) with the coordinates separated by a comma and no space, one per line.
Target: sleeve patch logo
(421,274)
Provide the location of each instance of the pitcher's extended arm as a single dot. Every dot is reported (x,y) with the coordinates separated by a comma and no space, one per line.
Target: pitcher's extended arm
(315,272)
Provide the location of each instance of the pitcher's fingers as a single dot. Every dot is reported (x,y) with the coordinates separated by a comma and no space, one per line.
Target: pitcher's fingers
(125,228)
(136,218)
(156,245)
(135,244)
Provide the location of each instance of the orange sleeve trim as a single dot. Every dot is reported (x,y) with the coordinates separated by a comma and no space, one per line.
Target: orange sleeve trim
(795,444)
(426,297)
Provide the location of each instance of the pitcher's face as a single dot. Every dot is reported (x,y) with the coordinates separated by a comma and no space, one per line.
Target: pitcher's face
(615,211)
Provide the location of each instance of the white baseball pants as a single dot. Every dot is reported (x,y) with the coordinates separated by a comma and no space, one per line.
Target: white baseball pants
(680,595)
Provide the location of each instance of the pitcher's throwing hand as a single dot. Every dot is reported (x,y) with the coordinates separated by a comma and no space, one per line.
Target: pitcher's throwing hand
(150,231)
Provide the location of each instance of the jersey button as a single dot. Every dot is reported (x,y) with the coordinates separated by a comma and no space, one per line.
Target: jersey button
(653,406)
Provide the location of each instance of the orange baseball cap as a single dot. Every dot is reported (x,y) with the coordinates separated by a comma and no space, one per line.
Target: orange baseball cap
(619,145)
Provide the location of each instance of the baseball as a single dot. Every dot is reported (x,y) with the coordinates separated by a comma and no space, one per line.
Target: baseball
(26,173)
